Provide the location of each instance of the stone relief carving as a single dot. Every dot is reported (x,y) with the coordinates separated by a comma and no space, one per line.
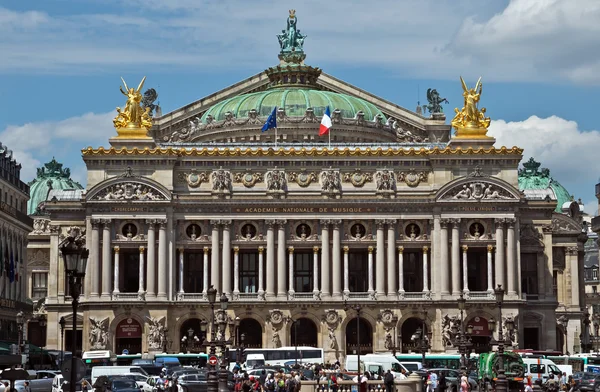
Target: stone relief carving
(303,178)
(386,316)
(385,183)
(276,183)
(276,318)
(478,190)
(331,318)
(129,191)
(449,326)
(388,344)
(221,181)
(530,235)
(333,345)
(358,178)
(562,224)
(247,179)
(194,178)
(41,226)
(156,333)
(331,185)
(512,336)
(99,333)
(39,258)
(412,178)
(276,340)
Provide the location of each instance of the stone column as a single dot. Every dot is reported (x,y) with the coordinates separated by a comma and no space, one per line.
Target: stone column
(444,259)
(425,270)
(499,270)
(116,273)
(456,289)
(490,281)
(95,259)
(106,260)
(391,257)
(162,259)
(511,262)
(270,258)
(281,260)
(215,276)
(291,290)
(380,260)
(572,257)
(141,289)
(325,289)
(401,271)
(346,273)
(236,272)
(205,263)
(151,268)
(316,293)
(227,257)
(465,269)
(370,271)
(261,273)
(337,258)
(181,261)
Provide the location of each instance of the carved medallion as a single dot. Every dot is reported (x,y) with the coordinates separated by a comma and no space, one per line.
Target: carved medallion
(358,178)
(276,317)
(332,318)
(248,179)
(412,178)
(303,178)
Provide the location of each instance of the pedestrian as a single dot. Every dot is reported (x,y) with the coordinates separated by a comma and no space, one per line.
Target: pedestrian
(464,383)
(442,382)
(563,382)
(26,387)
(388,380)
(432,382)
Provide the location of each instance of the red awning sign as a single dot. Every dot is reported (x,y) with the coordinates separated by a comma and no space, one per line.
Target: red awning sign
(480,326)
(129,328)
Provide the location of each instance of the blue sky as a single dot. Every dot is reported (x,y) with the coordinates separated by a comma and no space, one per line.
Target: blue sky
(62,61)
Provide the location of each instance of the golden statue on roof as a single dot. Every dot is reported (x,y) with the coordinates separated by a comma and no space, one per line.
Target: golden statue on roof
(133,116)
(470,121)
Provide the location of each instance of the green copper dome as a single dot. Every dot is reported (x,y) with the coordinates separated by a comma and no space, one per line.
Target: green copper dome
(51,176)
(537,183)
(295,101)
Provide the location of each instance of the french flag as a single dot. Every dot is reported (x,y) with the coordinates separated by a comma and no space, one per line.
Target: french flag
(325,123)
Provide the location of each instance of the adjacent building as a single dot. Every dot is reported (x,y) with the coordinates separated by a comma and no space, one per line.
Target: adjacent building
(389,209)
(15,225)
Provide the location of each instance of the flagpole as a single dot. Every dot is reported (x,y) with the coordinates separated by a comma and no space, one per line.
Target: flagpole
(275,136)
(329,134)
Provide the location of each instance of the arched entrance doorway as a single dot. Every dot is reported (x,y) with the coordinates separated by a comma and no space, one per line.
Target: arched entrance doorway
(128,336)
(304,333)
(481,334)
(560,340)
(359,336)
(252,331)
(191,335)
(409,327)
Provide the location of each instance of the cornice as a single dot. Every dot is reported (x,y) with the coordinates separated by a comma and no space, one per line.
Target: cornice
(299,152)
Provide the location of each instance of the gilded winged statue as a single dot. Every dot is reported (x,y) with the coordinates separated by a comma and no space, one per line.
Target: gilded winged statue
(133,115)
(470,116)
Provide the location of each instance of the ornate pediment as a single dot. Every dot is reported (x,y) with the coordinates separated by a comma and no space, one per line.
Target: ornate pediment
(39,258)
(478,188)
(530,236)
(564,224)
(128,188)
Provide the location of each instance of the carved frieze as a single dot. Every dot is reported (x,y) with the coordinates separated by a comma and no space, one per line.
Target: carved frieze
(39,258)
(562,223)
(413,178)
(385,182)
(358,178)
(478,190)
(530,236)
(248,179)
(276,183)
(221,182)
(129,191)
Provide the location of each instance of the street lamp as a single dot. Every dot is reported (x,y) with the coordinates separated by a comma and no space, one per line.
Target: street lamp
(501,381)
(423,338)
(42,324)
(75,257)
(213,380)
(20,323)
(223,343)
(62,323)
(585,345)
(357,308)
(463,339)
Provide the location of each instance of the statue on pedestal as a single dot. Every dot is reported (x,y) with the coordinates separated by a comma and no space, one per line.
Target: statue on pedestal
(133,116)
(470,121)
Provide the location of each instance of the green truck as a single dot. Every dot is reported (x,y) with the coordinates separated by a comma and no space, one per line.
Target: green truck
(514,369)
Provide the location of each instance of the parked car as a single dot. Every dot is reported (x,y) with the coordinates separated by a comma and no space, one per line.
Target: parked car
(123,384)
(193,382)
(577,376)
(150,384)
(590,382)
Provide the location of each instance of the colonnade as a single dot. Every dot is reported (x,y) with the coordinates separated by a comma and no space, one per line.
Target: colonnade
(331,266)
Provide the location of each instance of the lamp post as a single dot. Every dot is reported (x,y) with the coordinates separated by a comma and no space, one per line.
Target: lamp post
(42,324)
(75,256)
(213,380)
(20,323)
(357,308)
(463,338)
(224,301)
(501,381)
(295,327)
(423,337)
(585,334)
(62,323)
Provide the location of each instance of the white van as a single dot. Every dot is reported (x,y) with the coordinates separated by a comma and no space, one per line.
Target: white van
(541,368)
(98,371)
(254,361)
(387,361)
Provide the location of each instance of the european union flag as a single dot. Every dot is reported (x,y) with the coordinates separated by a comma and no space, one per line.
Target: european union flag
(271,120)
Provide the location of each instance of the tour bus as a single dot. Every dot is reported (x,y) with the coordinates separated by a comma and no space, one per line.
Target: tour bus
(434,361)
(99,358)
(192,359)
(283,355)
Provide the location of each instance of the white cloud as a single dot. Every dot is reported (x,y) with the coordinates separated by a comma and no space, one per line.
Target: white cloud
(36,143)
(526,40)
(570,153)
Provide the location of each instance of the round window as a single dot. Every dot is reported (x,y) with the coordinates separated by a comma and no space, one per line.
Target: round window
(129,230)
(248,231)
(303,230)
(358,230)
(193,231)
(476,230)
(412,230)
